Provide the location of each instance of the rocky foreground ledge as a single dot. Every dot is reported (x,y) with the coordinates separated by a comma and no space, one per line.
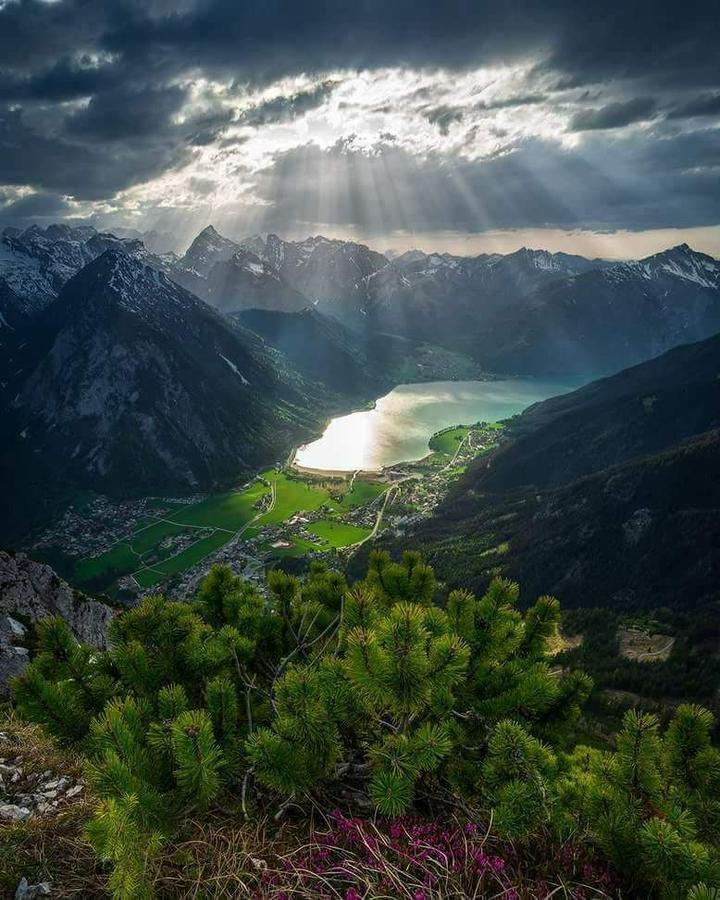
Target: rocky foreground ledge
(44,808)
(30,591)
(25,793)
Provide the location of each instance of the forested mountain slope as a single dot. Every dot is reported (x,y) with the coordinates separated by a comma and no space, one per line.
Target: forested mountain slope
(606,496)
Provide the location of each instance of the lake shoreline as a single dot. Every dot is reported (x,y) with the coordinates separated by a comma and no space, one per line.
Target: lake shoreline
(398,426)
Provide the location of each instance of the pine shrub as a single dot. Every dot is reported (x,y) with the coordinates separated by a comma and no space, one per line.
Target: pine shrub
(387,692)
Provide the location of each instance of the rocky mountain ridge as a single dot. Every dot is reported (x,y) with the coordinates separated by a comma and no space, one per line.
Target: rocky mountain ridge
(130,383)
(527,312)
(35,263)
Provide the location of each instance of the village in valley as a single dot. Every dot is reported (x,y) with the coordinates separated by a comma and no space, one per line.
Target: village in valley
(123,550)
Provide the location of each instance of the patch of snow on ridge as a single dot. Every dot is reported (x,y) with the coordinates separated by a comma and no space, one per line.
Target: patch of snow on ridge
(544,260)
(235,369)
(689,274)
(22,272)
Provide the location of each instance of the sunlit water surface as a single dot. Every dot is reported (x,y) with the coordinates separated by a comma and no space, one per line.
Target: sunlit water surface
(402,422)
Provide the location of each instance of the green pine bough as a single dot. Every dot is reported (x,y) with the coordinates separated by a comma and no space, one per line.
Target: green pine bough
(389,690)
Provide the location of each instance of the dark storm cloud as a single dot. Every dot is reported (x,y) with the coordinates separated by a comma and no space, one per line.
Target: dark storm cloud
(91,170)
(127,114)
(41,205)
(256,41)
(34,35)
(124,60)
(707,105)
(614,115)
(663,40)
(66,80)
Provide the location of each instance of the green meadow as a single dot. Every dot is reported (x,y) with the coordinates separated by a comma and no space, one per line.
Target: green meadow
(361,493)
(448,441)
(144,557)
(338,534)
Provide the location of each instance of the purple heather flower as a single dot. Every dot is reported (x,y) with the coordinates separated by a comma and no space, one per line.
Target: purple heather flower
(480,859)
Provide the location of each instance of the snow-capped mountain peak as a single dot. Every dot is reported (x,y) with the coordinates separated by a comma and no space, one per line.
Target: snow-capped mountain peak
(680,262)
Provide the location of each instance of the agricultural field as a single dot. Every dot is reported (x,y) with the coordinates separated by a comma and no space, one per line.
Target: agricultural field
(181,535)
(362,492)
(187,558)
(443,447)
(448,441)
(338,534)
(293,494)
(231,511)
(117,561)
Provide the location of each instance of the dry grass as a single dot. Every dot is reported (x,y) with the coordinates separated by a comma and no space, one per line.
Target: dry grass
(38,750)
(228,859)
(216,858)
(51,850)
(48,848)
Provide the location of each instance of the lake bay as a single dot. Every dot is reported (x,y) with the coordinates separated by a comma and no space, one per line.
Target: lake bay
(398,428)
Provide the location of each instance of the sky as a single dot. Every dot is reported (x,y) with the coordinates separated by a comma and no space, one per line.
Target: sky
(460,125)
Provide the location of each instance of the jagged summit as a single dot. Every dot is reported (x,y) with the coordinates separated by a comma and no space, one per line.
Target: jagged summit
(37,262)
(530,311)
(208,248)
(120,278)
(679,262)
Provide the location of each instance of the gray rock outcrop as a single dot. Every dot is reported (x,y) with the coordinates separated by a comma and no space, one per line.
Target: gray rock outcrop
(30,591)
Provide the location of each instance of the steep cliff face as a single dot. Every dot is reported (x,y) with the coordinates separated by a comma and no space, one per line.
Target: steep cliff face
(30,591)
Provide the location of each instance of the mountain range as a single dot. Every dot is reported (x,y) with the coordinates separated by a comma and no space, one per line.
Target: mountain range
(528,312)
(123,369)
